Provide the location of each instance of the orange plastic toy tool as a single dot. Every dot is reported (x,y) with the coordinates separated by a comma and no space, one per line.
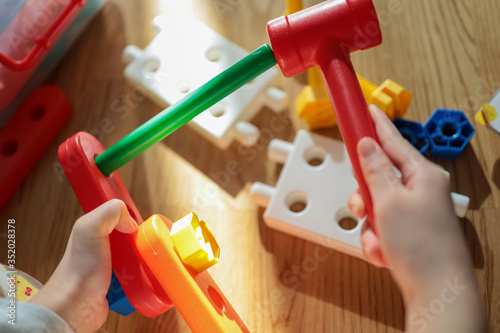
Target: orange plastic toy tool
(28,134)
(196,295)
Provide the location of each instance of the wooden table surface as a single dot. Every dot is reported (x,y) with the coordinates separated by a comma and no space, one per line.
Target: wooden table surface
(446,52)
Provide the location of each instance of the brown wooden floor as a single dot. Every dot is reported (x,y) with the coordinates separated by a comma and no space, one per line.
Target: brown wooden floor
(446,52)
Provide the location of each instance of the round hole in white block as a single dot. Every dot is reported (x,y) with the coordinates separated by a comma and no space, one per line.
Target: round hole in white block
(346,220)
(214,54)
(296,201)
(183,87)
(217,110)
(152,65)
(315,156)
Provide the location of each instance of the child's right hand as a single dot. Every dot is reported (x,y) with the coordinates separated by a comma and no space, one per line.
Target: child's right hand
(418,234)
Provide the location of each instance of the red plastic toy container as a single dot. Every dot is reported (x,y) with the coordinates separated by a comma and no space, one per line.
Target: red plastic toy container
(27,38)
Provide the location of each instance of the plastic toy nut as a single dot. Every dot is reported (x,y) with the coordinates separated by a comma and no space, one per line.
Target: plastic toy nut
(400,96)
(413,132)
(449,132)
(195,243)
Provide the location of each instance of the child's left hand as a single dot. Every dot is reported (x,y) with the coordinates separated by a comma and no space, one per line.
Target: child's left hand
(77,289)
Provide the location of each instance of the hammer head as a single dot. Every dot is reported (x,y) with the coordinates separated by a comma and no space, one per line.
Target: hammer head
(313,35)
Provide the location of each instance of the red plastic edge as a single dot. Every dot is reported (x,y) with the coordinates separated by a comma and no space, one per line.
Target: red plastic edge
(92,189)
(28,134)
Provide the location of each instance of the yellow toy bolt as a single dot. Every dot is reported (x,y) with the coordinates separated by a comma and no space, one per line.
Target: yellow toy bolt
(390,97)
(194,243)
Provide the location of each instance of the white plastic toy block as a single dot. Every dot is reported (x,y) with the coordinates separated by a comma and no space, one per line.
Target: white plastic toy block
(310,197)
(186,54)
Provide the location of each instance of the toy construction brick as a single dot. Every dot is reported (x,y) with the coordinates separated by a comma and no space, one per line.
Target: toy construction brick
(449,132)
(183,56)
(310,197)
(414,132)
(117,300)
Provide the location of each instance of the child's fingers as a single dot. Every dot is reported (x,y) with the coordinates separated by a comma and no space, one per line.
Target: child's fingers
(371,246)
(400,151)
(377,168)
(356,204)
(104,219)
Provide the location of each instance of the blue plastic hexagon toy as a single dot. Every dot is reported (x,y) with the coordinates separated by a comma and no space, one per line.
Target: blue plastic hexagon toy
(449,132)
(415,133)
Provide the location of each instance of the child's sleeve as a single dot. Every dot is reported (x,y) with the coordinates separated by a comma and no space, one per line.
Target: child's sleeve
(28,317)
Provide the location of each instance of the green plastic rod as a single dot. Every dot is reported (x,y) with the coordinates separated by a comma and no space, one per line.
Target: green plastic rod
(178,114)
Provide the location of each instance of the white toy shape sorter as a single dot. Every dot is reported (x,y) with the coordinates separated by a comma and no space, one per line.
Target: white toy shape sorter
(184,55)
(310,197)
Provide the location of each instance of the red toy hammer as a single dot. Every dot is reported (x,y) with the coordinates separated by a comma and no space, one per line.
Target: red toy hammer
(324,35)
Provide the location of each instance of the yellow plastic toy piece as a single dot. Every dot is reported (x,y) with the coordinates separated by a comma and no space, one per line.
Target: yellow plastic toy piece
(487,111)
(390,97)
(375,95)
(293,6)
(314,106)
(195,243)
(400,96)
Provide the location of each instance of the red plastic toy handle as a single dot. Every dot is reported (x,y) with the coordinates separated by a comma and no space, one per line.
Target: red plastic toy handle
(28,134)
(352,114)
(92,189)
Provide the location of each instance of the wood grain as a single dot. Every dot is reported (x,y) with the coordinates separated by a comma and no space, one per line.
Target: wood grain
(446,52)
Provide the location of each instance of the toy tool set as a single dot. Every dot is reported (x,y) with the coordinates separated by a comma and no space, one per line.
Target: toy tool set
(216,87)
(297,42)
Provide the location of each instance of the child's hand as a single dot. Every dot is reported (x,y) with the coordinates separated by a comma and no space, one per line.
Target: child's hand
(418,234)
(414,215)
(77,289)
